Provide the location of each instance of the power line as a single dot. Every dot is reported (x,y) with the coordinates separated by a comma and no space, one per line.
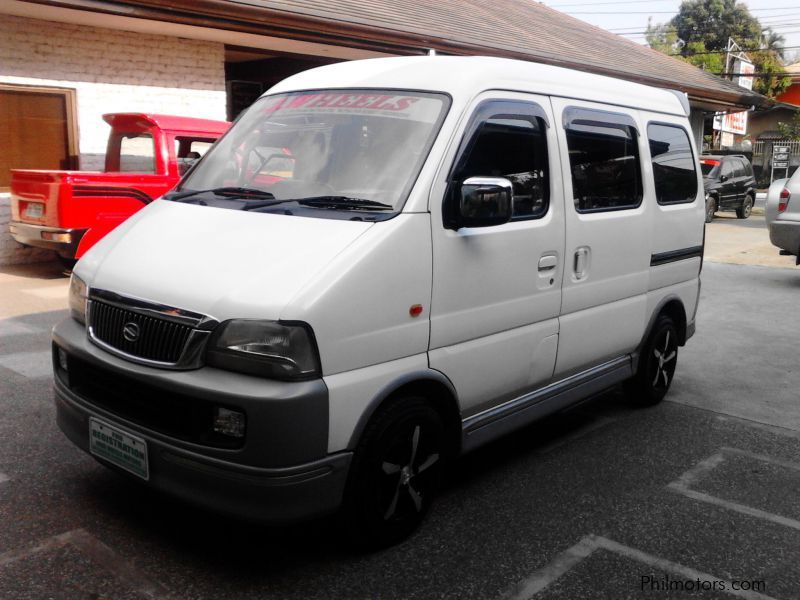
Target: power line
(725,51)
(601,3)
(772,27)
(762,20)
(663,12)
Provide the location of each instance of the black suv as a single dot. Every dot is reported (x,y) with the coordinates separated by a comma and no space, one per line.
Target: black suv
(729,183)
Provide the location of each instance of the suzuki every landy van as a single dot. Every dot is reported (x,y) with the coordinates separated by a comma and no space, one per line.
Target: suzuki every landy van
(385,264)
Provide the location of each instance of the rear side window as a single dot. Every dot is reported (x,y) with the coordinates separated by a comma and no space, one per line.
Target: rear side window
(509,140)
(738,168)
(674,171)
(137,153)
(604,160)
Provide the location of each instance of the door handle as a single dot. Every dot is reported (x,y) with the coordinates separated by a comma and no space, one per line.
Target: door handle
(548,263)
(581,262)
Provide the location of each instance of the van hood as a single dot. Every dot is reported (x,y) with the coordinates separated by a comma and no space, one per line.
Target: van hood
(219,262)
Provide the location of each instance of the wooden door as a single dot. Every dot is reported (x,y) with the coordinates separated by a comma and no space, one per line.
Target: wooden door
(35,131)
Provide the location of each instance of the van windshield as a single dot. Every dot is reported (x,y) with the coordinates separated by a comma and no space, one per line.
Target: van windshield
(326,148)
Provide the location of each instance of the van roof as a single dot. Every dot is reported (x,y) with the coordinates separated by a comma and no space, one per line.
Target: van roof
(464,76)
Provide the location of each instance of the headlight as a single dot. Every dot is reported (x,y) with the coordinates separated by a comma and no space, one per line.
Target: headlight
(77,299)
(265,348)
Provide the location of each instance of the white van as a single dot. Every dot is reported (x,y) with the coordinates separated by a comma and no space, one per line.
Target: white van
(382,265)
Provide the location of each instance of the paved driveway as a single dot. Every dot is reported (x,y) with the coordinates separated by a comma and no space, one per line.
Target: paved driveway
(699,493)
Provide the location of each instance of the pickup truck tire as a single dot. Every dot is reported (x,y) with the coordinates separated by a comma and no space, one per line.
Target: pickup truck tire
(656,364)
(747,207)
(67,263)
(394,474)
(711,208)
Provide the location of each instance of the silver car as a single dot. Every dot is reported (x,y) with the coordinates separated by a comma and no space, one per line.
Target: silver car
(782,211)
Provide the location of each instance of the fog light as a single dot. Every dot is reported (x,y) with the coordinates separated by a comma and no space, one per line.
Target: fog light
(52,236)
(229,422)
(62,359)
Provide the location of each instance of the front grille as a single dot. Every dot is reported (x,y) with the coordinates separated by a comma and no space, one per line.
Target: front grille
(176,415)
(158,339)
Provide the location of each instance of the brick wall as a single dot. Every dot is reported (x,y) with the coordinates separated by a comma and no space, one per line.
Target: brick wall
(111,71)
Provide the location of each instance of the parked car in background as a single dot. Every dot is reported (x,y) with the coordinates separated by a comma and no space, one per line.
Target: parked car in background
(729,183)
(69,211)
(782,211)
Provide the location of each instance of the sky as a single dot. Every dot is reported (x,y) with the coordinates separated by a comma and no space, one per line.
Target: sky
(629,17)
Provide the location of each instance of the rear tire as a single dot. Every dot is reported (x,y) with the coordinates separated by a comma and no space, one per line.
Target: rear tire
(656,364)
(394,474)
(711,208)
(746,209)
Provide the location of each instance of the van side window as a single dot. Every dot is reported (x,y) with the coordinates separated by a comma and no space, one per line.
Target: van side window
(673,163)
(506,142)
(604,160)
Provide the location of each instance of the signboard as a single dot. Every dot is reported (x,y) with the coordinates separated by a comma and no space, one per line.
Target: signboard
(731,122)
(744,67)
(780,160)
(727,139)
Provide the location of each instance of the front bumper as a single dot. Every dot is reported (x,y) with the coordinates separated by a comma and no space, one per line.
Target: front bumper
(281,473)
(65,241)
(786,236)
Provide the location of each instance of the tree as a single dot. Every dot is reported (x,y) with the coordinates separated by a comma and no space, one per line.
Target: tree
(714,21)
(772,79)
(702,29)
(774,42)
(697,54)
(661,37)
(791,130)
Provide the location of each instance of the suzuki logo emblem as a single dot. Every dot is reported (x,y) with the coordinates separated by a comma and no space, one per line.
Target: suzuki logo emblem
(130,331)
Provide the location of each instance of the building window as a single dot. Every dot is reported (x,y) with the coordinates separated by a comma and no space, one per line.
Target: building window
(674,171)
(604,160)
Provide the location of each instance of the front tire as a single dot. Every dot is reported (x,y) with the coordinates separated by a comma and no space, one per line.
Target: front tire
(656,364)
(395,473)
(711,208)
(746,209)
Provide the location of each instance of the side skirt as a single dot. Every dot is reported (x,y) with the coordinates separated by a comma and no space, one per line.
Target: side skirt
(523,410)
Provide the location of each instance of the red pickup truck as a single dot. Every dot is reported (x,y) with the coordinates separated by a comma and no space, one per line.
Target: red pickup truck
(69,211)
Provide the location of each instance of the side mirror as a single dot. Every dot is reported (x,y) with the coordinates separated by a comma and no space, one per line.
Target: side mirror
(484,202)
(723,178)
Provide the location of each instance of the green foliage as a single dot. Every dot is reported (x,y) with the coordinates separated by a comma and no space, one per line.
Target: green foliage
(661,37)
(700,32)
(791,130)
(714,21)
(773,80)
(697,54)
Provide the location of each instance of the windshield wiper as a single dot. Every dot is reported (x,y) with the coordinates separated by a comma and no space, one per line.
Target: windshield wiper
(345,202)
(240,193)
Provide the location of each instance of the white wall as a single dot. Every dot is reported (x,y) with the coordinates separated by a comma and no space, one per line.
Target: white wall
(111,71)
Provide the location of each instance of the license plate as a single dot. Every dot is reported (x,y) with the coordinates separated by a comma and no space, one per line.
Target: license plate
(34,210)
(118,447)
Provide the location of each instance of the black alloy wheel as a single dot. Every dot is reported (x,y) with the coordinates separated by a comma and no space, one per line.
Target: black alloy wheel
(656,364)
(395,473)
(746,208)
